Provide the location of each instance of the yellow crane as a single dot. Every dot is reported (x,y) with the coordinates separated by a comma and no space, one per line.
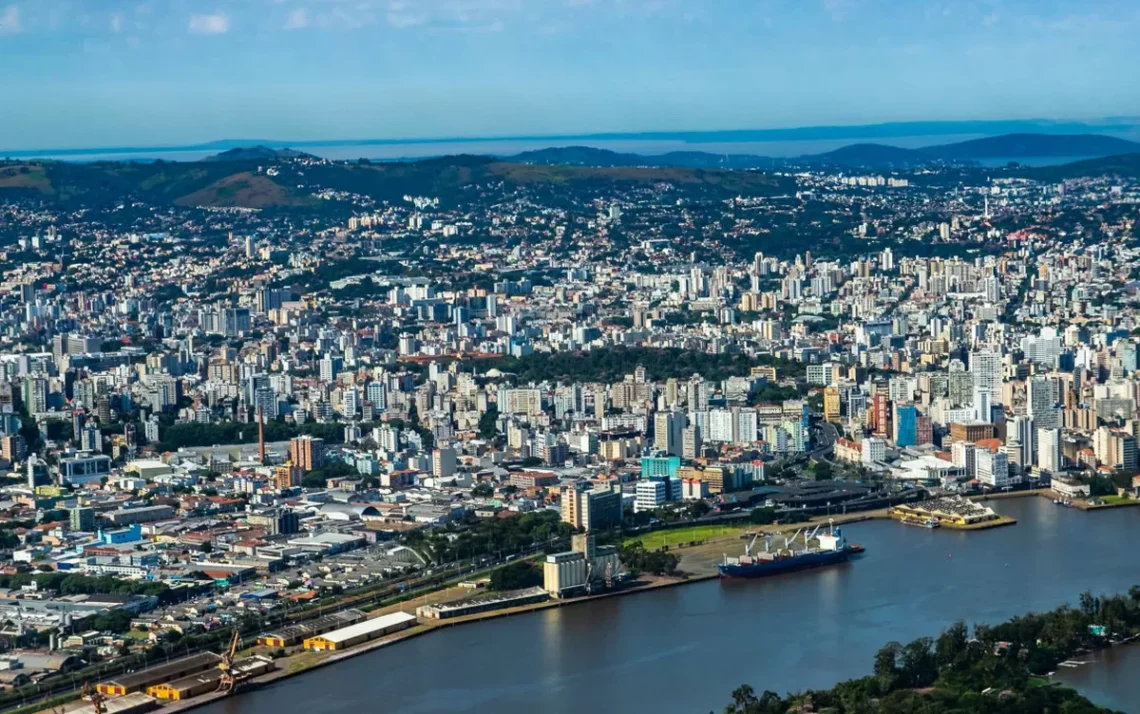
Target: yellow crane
(97,698)
(230,678)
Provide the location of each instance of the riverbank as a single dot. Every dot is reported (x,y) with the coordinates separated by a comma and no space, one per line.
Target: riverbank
(910,584)
(305,661)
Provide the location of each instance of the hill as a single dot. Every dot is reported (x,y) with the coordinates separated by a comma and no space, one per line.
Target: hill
(243,183)
(590,156)
(870,155)
(1015,146)
(258,153)
(1124,166)
(862,155)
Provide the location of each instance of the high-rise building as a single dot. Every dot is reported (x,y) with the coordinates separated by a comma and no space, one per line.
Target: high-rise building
(985,365)
(691,442)
(831,404)
(591,509)
(443,462)
(906,425)
(1050,453)
(668,433)
(81,519)
(992,468)
(13,448)
(1042,402)
(964,456)
(330,366)
(287,475)
(307,452)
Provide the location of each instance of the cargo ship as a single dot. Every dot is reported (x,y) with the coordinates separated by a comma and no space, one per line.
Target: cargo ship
(832,548)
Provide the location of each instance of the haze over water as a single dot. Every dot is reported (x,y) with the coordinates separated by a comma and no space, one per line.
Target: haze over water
(684,649)
(508,147)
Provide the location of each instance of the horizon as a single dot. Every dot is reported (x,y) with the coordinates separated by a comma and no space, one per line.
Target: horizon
(916,134)
(172,73)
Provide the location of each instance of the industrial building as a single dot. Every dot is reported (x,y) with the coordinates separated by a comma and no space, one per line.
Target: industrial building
(137,703)
(140,681)
(483,603)
(290,636)
(360,632)
(578,571)
(207,681)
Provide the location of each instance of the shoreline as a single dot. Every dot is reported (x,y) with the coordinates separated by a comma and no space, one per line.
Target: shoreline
(282,673)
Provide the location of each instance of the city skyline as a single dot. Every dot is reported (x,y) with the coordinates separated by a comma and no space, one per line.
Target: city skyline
(161,73)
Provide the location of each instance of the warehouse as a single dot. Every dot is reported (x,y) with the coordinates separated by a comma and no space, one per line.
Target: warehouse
(361,632)
(290,636)
(137,703)
(140,681)
(483,603)
(207,681)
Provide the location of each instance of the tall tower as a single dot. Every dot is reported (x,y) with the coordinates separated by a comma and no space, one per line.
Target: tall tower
(260,436)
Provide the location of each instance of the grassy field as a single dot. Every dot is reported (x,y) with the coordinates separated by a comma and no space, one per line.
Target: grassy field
(1117,501)
(682,536)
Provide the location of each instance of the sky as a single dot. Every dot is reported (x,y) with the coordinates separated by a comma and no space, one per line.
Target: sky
(107,73)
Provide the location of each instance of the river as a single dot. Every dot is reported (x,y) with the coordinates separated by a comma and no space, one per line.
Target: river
(685,649)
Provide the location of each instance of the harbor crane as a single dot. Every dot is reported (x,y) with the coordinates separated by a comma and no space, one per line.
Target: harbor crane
(230,679)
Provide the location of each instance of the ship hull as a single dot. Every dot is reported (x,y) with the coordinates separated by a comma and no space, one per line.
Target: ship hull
(786,565)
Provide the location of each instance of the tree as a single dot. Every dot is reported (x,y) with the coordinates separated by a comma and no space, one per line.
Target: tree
(483,490)
(489,423)
(951,644)
(762,516)
(698,509)
(516,576)
(886,665)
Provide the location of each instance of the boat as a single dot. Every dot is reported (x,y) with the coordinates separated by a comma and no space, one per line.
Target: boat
(927,523)
(831,550)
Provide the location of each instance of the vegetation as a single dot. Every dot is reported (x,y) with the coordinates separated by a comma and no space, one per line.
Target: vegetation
(678,536)
(241,182)
(490,536)
(610,365)
(318,478)
(991,672)
(637,559)
(516,576)
(177,436)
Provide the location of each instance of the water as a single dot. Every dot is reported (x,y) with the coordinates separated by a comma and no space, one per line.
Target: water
(509,147)
(684,649)
(1110,678)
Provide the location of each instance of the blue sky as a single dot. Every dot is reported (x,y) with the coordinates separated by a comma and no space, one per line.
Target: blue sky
(83,73)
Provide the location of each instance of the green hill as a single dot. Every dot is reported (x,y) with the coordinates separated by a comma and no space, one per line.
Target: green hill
(247,184)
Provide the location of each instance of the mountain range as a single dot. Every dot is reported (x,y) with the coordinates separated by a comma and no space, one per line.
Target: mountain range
(240,177)
(867,155)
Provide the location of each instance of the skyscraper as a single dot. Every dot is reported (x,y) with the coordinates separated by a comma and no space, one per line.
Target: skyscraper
(1049,450)
(985,365)
(307,452)
(668,433)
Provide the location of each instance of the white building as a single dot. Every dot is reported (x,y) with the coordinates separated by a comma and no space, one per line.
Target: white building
(1049,450)
(964,455)
(874,450)
(992,468)
(650,495)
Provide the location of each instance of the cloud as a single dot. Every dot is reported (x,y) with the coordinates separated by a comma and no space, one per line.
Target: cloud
(116,23)
(10,20)
(217,24)
(298,19)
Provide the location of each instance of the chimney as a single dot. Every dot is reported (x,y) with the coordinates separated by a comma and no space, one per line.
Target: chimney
(260,436)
